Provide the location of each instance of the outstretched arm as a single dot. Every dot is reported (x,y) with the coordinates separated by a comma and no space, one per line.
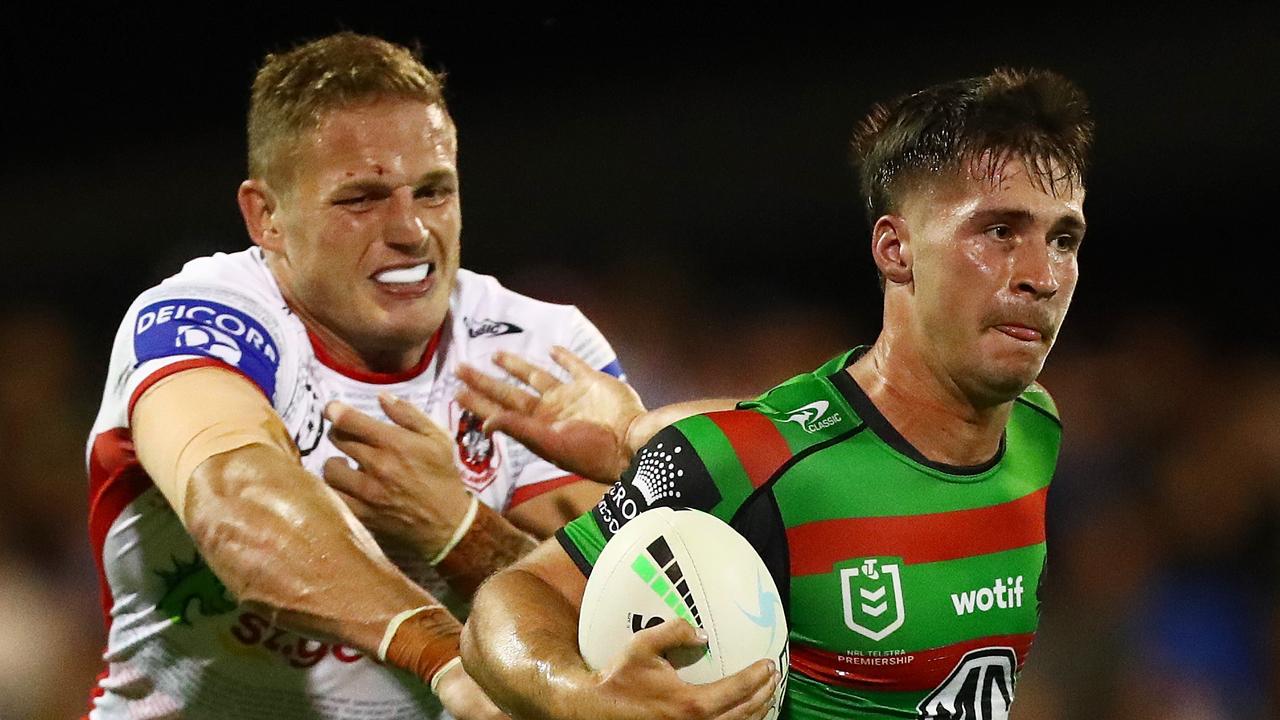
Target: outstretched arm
(520,644)
(590,426)
(278,538)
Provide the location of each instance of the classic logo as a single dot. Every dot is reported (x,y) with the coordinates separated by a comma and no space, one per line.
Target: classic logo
(872,591)
(476,328)
(213,342)
(813,417)
(979,688)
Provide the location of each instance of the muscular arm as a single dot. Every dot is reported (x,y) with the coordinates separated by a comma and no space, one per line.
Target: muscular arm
(520,645)
(216,449)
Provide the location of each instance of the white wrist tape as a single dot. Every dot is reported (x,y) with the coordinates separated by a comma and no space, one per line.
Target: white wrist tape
(435,679)
(394,625)
(463,527)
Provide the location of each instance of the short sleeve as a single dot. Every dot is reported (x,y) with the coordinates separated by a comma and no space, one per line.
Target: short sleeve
(587,342)
(669,471)
(176,326)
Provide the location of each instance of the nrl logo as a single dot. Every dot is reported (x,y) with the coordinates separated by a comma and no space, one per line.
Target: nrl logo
(872,591)
(476,328)
(813,417)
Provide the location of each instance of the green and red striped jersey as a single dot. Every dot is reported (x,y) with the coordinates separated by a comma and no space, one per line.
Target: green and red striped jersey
(911,587)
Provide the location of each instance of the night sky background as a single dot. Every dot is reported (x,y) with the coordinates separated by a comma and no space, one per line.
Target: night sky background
(711,140)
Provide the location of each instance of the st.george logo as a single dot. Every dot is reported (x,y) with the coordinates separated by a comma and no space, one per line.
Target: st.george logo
(813,417)
(872,593)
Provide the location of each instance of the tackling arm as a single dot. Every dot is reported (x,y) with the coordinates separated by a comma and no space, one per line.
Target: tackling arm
(218,452)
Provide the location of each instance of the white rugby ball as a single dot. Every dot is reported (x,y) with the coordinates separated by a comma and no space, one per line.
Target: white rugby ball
(669,563)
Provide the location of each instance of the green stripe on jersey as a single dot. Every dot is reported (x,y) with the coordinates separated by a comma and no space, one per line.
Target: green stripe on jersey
(722,464)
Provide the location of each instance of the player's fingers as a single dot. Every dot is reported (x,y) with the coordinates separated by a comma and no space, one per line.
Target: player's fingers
(367,457)
(358,507)
(527,372)
(505,394)
(747,690)
(406,414)
(351,422)
(576,366)
(478,404)
(673,634)
(533,434)
(349,483)
(758,704)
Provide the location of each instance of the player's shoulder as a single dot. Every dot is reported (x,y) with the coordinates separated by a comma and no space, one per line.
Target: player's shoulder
(1036,402)
(489,308)
(487,316)
(233,279)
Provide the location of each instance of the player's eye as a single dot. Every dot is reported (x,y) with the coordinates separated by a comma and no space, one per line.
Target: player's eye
(1067,243)
(352,201)
(435,194)
(1000,232)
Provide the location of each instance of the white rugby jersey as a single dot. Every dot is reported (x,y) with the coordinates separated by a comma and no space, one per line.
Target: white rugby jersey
(178,645)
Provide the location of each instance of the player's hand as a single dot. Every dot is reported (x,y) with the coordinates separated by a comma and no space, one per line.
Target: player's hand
(464,699)
(581,425)
(642,684)
(405,486)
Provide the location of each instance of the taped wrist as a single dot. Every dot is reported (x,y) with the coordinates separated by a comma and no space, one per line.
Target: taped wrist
(490,545)
(425,642)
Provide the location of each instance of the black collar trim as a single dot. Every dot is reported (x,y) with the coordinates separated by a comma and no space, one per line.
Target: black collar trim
(885,430)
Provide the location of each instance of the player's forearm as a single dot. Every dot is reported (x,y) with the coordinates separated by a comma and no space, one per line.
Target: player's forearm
(278,538)
(520,647)
(647,424)
(491,543)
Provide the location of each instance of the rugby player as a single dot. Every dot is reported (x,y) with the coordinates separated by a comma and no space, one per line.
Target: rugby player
(235,582)
(896,493)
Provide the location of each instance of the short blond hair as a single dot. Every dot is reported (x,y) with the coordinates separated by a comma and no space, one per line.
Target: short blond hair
(293,90)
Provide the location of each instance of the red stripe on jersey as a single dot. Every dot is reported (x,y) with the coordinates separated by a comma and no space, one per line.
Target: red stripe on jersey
(529,492)
(760,447)
(908,672)
(178,367)
(817,546)
(369,376)
(116,478)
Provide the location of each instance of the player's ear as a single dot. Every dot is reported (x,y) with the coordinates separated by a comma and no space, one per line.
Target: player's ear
(891,249)
(258,207)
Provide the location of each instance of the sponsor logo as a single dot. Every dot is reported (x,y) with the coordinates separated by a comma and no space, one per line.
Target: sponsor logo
(656,474)
(979,688)
(872,593)
(1005,593)
(296,651)
(813,417)
(476,328)
(658,568)
(202,327)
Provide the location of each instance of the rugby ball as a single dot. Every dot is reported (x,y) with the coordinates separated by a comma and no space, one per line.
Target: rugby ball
(686,564)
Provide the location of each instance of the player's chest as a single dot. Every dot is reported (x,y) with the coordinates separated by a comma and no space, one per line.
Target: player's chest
(479,456)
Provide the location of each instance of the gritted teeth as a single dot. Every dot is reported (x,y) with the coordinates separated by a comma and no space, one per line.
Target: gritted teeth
(404,275)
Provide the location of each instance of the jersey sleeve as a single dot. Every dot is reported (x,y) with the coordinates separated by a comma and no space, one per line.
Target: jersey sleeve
(691,464)
(178,326)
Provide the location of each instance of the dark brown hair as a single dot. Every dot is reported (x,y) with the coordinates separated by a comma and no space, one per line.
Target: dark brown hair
(1037,116)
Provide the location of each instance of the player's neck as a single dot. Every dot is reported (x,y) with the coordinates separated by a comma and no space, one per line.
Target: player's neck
(928,411)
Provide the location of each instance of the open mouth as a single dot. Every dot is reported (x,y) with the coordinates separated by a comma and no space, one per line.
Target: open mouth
(405,275)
